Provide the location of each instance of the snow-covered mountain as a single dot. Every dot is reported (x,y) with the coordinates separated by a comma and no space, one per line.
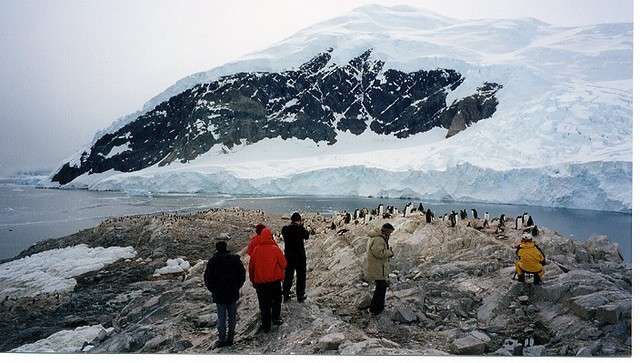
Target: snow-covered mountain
(390,101)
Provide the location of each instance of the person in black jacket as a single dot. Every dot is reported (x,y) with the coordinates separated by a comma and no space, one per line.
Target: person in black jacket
(223,277)
(294,235)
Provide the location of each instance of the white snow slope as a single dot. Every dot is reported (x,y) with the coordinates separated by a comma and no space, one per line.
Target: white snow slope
(53,271)
(563,126)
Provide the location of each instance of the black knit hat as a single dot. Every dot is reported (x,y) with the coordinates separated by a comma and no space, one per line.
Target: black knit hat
(296,217)
(388,226)
(221,246)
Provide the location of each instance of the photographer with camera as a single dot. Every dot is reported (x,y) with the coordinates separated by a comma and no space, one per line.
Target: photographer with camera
(294,235)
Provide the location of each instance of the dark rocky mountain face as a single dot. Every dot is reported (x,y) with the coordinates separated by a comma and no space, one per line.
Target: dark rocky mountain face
(312,102)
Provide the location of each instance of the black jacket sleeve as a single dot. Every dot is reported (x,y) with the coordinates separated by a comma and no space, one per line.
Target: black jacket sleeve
(241,272)
(209,274)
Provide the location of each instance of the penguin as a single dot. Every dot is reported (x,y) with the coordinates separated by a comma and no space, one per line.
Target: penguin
(453,218)
(421,208)
(530,222)
(474,213)
(518,222)
(429,215)
(380,209)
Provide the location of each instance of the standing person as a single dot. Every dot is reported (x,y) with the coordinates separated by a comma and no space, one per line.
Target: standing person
(223,277)
(378,254)
(266,271)
(294,235)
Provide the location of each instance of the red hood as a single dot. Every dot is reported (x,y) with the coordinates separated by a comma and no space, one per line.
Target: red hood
(266,237)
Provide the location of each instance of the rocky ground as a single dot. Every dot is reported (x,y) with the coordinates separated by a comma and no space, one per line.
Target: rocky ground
(451,292)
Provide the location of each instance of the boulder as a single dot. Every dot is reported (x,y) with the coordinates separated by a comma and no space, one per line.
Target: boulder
(533,351)
(205,320)
(364,301)
(584,352)
(181,345)
(359,348)
(613,312)
(154,343)
(483,337)
(468,345)
(331,341)
(404,314)
(502,352)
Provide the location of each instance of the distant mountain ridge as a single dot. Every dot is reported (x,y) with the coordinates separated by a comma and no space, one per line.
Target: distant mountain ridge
(315,101)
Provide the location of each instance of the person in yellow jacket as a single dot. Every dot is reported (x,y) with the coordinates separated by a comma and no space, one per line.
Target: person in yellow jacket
(378,254)
(530,258)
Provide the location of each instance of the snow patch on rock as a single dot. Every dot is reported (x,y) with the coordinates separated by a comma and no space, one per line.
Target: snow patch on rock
(174,265)
(52,271)
(65,341)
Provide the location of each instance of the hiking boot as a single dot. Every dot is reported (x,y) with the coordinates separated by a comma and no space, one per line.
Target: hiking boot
(229,341)
(302,298)
(277,322)
(219,344)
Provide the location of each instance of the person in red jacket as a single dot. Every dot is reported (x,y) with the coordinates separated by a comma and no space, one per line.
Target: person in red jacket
(266,272)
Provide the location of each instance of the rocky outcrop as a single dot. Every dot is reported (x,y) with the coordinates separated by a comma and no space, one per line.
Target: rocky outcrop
(315,101)
(451,293)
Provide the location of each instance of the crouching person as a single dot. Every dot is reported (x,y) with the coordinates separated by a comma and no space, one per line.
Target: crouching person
(266,272)
(530,259)
(223,277)
(378,254)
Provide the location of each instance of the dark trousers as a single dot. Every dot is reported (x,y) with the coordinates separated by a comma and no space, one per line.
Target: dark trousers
(269,300)
(300,269)
(377,302)
(536,278)
(226,317)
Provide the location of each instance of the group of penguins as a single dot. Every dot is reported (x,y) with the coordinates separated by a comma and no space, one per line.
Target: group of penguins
(365,215)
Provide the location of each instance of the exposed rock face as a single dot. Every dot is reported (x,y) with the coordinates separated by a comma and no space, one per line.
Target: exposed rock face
(452,293)
(313,102)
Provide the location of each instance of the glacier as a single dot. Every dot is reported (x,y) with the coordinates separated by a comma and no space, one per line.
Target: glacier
(561,135)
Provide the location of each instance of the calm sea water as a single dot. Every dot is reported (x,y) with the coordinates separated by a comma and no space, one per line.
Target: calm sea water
(29,215)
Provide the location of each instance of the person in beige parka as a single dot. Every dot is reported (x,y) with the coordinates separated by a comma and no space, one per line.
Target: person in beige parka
(378,254)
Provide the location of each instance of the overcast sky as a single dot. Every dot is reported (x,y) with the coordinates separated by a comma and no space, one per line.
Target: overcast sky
(71,67)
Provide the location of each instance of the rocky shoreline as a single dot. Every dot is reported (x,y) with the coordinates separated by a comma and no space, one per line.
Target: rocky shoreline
(451,292)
